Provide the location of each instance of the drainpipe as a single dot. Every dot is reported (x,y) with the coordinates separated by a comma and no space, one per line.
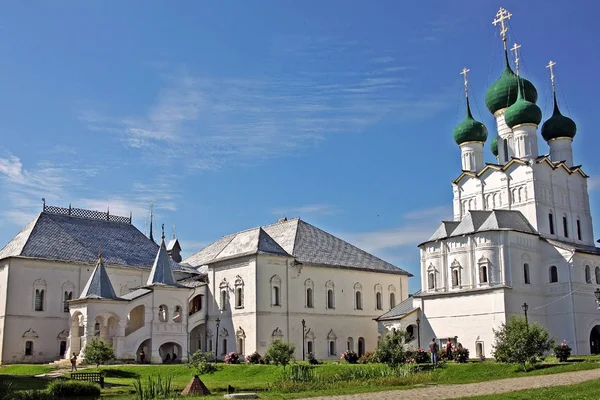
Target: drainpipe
(569,265)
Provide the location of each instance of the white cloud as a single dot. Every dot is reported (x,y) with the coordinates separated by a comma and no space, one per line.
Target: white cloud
(383,60)
(314,209)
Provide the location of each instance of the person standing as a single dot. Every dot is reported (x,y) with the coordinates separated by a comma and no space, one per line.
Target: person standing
(142,356)
(433,349)
(74,362)
(449,349)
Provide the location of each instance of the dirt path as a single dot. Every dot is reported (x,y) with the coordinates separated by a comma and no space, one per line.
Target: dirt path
(439,392)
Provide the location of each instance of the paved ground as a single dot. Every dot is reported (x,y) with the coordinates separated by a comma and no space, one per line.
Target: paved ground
(439,392)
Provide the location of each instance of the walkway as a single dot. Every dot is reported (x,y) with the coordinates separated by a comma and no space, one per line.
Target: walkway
(440,392)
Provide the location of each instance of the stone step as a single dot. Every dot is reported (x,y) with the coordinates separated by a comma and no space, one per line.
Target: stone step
(241,396)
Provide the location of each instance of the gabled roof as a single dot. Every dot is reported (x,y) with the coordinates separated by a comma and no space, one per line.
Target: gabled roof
(71,238)
(305,242)
(400,310)
(481,221)
(161,273)
(99,285)
(581,248)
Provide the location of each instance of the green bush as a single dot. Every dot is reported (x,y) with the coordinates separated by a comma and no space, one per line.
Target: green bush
(562,351)
(280,353)
(461,355)
(65,388)
(300,373)
(202,363)
(30,395)
(156,388)
(98,352)
(391,350)
(368,357)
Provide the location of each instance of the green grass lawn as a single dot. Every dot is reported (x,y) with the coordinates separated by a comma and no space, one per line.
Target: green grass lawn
(582,391)
(31,369)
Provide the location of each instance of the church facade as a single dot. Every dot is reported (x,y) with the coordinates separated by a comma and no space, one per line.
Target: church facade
(521,241)
(288,280)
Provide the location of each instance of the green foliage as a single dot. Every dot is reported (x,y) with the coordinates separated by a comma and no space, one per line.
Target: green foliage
(280,353)
(6,389)
(254,358)
(562,351)
(30,395)
(66,388)
(300,373)
(98,352)
(156,388)
(368,357)
(391,348)
(350,357)
(520,343)
(202,362)
(312,360)
(461,355)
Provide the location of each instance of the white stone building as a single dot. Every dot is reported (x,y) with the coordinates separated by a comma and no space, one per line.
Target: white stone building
(260,284)
(521,234)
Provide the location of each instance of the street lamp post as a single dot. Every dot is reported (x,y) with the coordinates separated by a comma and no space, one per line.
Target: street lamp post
(419,332)
(303,340)
(525,308)
(218,321)
(597,294)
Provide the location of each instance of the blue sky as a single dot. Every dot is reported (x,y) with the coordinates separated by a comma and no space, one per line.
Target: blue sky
(231,114)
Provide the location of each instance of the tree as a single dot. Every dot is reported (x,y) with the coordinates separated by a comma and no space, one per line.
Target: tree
(98,352)
(280,352)
(202,363)
(391,350)
(521,343)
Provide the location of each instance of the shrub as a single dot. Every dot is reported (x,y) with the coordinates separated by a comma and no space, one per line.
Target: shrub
(350,357)
(461,355)
(202,363)
(300,373)
(368,357)
(521,343)
(254,358)
(66,388)
(29,395)
(391,348)
(280,352)
(421,356)
(98,352)
(562,351)
(312,360)
(232,358)
(156,388)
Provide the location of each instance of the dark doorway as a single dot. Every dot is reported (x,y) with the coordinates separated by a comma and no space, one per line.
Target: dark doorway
(63,348)
(595,340)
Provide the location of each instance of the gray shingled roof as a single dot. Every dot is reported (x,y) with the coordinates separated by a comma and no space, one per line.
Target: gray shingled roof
(482,221)
(99,285)
(307,243)
(400,310)
(574,247)
(134,294)
(75,239)
(161,272)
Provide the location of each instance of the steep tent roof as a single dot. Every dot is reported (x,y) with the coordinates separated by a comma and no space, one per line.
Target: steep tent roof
(53,236)
(161,273)
(99,285)
(297,238)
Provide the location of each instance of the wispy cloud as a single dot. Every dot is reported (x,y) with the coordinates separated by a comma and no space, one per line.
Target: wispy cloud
(383,60)
(313,209)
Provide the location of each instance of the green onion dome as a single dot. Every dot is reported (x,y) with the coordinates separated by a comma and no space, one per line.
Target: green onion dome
(558,126)
(503,93)
(522,112)
(494,146)
(470,130)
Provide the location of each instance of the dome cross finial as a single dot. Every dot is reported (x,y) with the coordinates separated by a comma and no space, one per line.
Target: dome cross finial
(501,16)
(515,49)
(464,74)
(551,65)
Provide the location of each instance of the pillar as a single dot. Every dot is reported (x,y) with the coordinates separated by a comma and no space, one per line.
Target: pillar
(472,156)
(525,141)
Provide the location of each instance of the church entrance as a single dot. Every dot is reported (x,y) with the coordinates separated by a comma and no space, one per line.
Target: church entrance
(595,340)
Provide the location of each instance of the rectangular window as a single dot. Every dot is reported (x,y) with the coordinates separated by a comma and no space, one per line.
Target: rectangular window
(565,227)
(39,300)
(578,230)
(28,348)
(551,223)
(526,273)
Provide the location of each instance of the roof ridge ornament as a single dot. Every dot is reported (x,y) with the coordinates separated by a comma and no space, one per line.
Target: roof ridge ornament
(464,74)
(501,16)
(515,49)
(550,66)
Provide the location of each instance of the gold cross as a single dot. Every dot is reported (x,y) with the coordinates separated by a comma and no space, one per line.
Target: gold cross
(516,48)
(501,16)
(464,74)
(550,65)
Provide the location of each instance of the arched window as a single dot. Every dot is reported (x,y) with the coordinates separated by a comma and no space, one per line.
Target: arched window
(240,337)
(331,340)
(350,344)
(39,294)
(361,346)
(224,346)
(275,290)
(309,286)
(505,143)
(551,223)
(455,277)
(332,348)
(553,274)
(578,229)
(239,292)
(223,287)
(597,273)
(392,300)
(163,313)
(431,280)
(526,273)
(358,300)
(29,348)
(588,274)
(378,302)
(330,288)
(66,297)
(410,331)
(177,314)
(565,227)
(195,304)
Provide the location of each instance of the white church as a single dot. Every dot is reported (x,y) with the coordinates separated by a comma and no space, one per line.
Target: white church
(521,241)
(289,280)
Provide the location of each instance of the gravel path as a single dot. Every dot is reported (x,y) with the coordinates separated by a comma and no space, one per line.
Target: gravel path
(439,392)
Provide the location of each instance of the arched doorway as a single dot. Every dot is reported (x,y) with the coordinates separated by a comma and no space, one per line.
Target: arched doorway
(361,346)
(146,348)
(595,340)
(170,352)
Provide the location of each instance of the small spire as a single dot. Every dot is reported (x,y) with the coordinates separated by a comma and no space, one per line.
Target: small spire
(501,16)
(466,83)
(551,65)
(100,257)
(515,49)
(151,218)
(163,232)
